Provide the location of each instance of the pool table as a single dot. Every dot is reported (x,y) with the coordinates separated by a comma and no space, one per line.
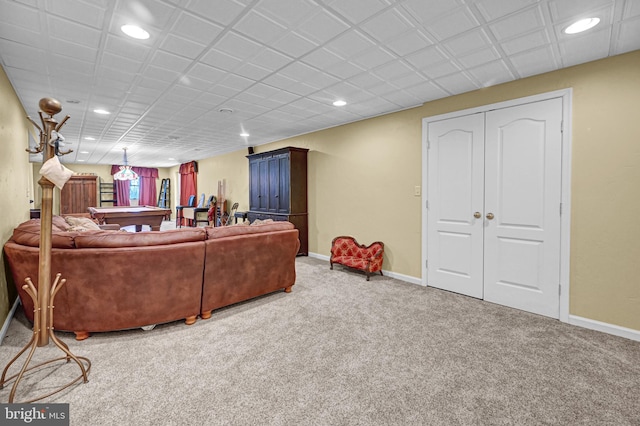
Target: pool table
(131,215)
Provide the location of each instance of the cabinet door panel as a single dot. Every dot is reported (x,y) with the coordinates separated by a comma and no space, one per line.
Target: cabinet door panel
(263,185)
(282,200)
(254,185)
(274,184)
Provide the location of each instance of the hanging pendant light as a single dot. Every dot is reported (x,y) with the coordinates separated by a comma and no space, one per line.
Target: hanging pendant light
(125,172)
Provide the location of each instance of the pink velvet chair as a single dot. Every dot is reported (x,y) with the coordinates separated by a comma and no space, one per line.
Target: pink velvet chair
(347,252)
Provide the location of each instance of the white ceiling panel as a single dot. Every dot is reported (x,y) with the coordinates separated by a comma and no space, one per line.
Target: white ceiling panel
(279,64)
(495,9)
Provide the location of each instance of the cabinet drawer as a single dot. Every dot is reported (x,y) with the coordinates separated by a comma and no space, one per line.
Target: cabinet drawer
(264,216)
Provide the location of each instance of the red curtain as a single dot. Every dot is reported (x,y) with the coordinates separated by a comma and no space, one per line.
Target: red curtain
(147,181)
(122,192)
(122,188)
(188,181)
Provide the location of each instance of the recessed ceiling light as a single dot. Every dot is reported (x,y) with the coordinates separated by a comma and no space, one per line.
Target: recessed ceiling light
(134,31)
(84,152)
(80,161)
(73,101)
(581,25)
(89,138)
(225,110)
(101,111)
(339,103)
(244,134)
(170,158)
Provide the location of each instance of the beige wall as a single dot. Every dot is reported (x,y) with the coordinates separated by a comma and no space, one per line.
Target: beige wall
(362,178)
(15,177)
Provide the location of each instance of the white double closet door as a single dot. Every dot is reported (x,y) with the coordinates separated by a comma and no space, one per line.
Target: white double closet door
(494,205)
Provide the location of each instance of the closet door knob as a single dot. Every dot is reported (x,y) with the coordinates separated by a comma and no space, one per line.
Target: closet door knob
(490,216)
(477,215)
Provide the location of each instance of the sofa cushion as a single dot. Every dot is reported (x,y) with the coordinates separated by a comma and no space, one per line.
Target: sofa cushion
(59,224)
(112,239)
(228,231)
(81,224)
(28,234)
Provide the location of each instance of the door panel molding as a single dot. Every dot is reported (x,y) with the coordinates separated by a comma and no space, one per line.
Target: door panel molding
(566,96)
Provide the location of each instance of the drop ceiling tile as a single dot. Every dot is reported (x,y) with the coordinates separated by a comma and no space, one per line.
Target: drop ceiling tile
(181,46)
(629,36)
(293,45)
(534,62)
(350,44)
(159,73)
(588,47)
(321,58)
(409,42)
(220,11)
(373,58)
(569,10)
(270,59)
(74,32)
(495,9)
(427,57)
(470,41)
(18,56)
(196,29)
(344,70)
(427,10)
(206,73)
(252,71)
(322,27)
(220,60)
(366,80)
(238,46)
(392,70)
(631,9)
(87,14)
(517,24)
(73,50)
(118,45)
(479,57)
(456,83)
(386,25)
(409,80)
(492,73)
(20,15)
(401,100)
(258,27)
(146,12)
(533,40)
(169,61)
(288,12)
(25,36)
(236,82)
(453,23)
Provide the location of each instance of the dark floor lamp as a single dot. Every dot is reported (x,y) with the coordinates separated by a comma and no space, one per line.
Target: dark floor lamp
(43,296)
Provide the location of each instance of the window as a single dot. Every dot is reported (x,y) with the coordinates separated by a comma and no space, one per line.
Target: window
(134,189)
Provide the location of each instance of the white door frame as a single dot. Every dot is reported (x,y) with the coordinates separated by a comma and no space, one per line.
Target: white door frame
(565,220)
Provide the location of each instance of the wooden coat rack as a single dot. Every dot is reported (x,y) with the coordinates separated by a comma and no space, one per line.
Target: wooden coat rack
(44,295)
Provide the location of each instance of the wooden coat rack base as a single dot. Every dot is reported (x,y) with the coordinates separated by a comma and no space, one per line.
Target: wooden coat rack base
(83,363)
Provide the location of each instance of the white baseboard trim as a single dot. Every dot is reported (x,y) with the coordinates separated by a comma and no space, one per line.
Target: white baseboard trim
(604,327)
(401,277)
(7,321)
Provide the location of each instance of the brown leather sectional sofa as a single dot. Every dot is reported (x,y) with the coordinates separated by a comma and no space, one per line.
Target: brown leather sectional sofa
(119,280)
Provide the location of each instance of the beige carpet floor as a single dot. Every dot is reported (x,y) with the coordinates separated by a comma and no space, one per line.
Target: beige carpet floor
(339,350)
